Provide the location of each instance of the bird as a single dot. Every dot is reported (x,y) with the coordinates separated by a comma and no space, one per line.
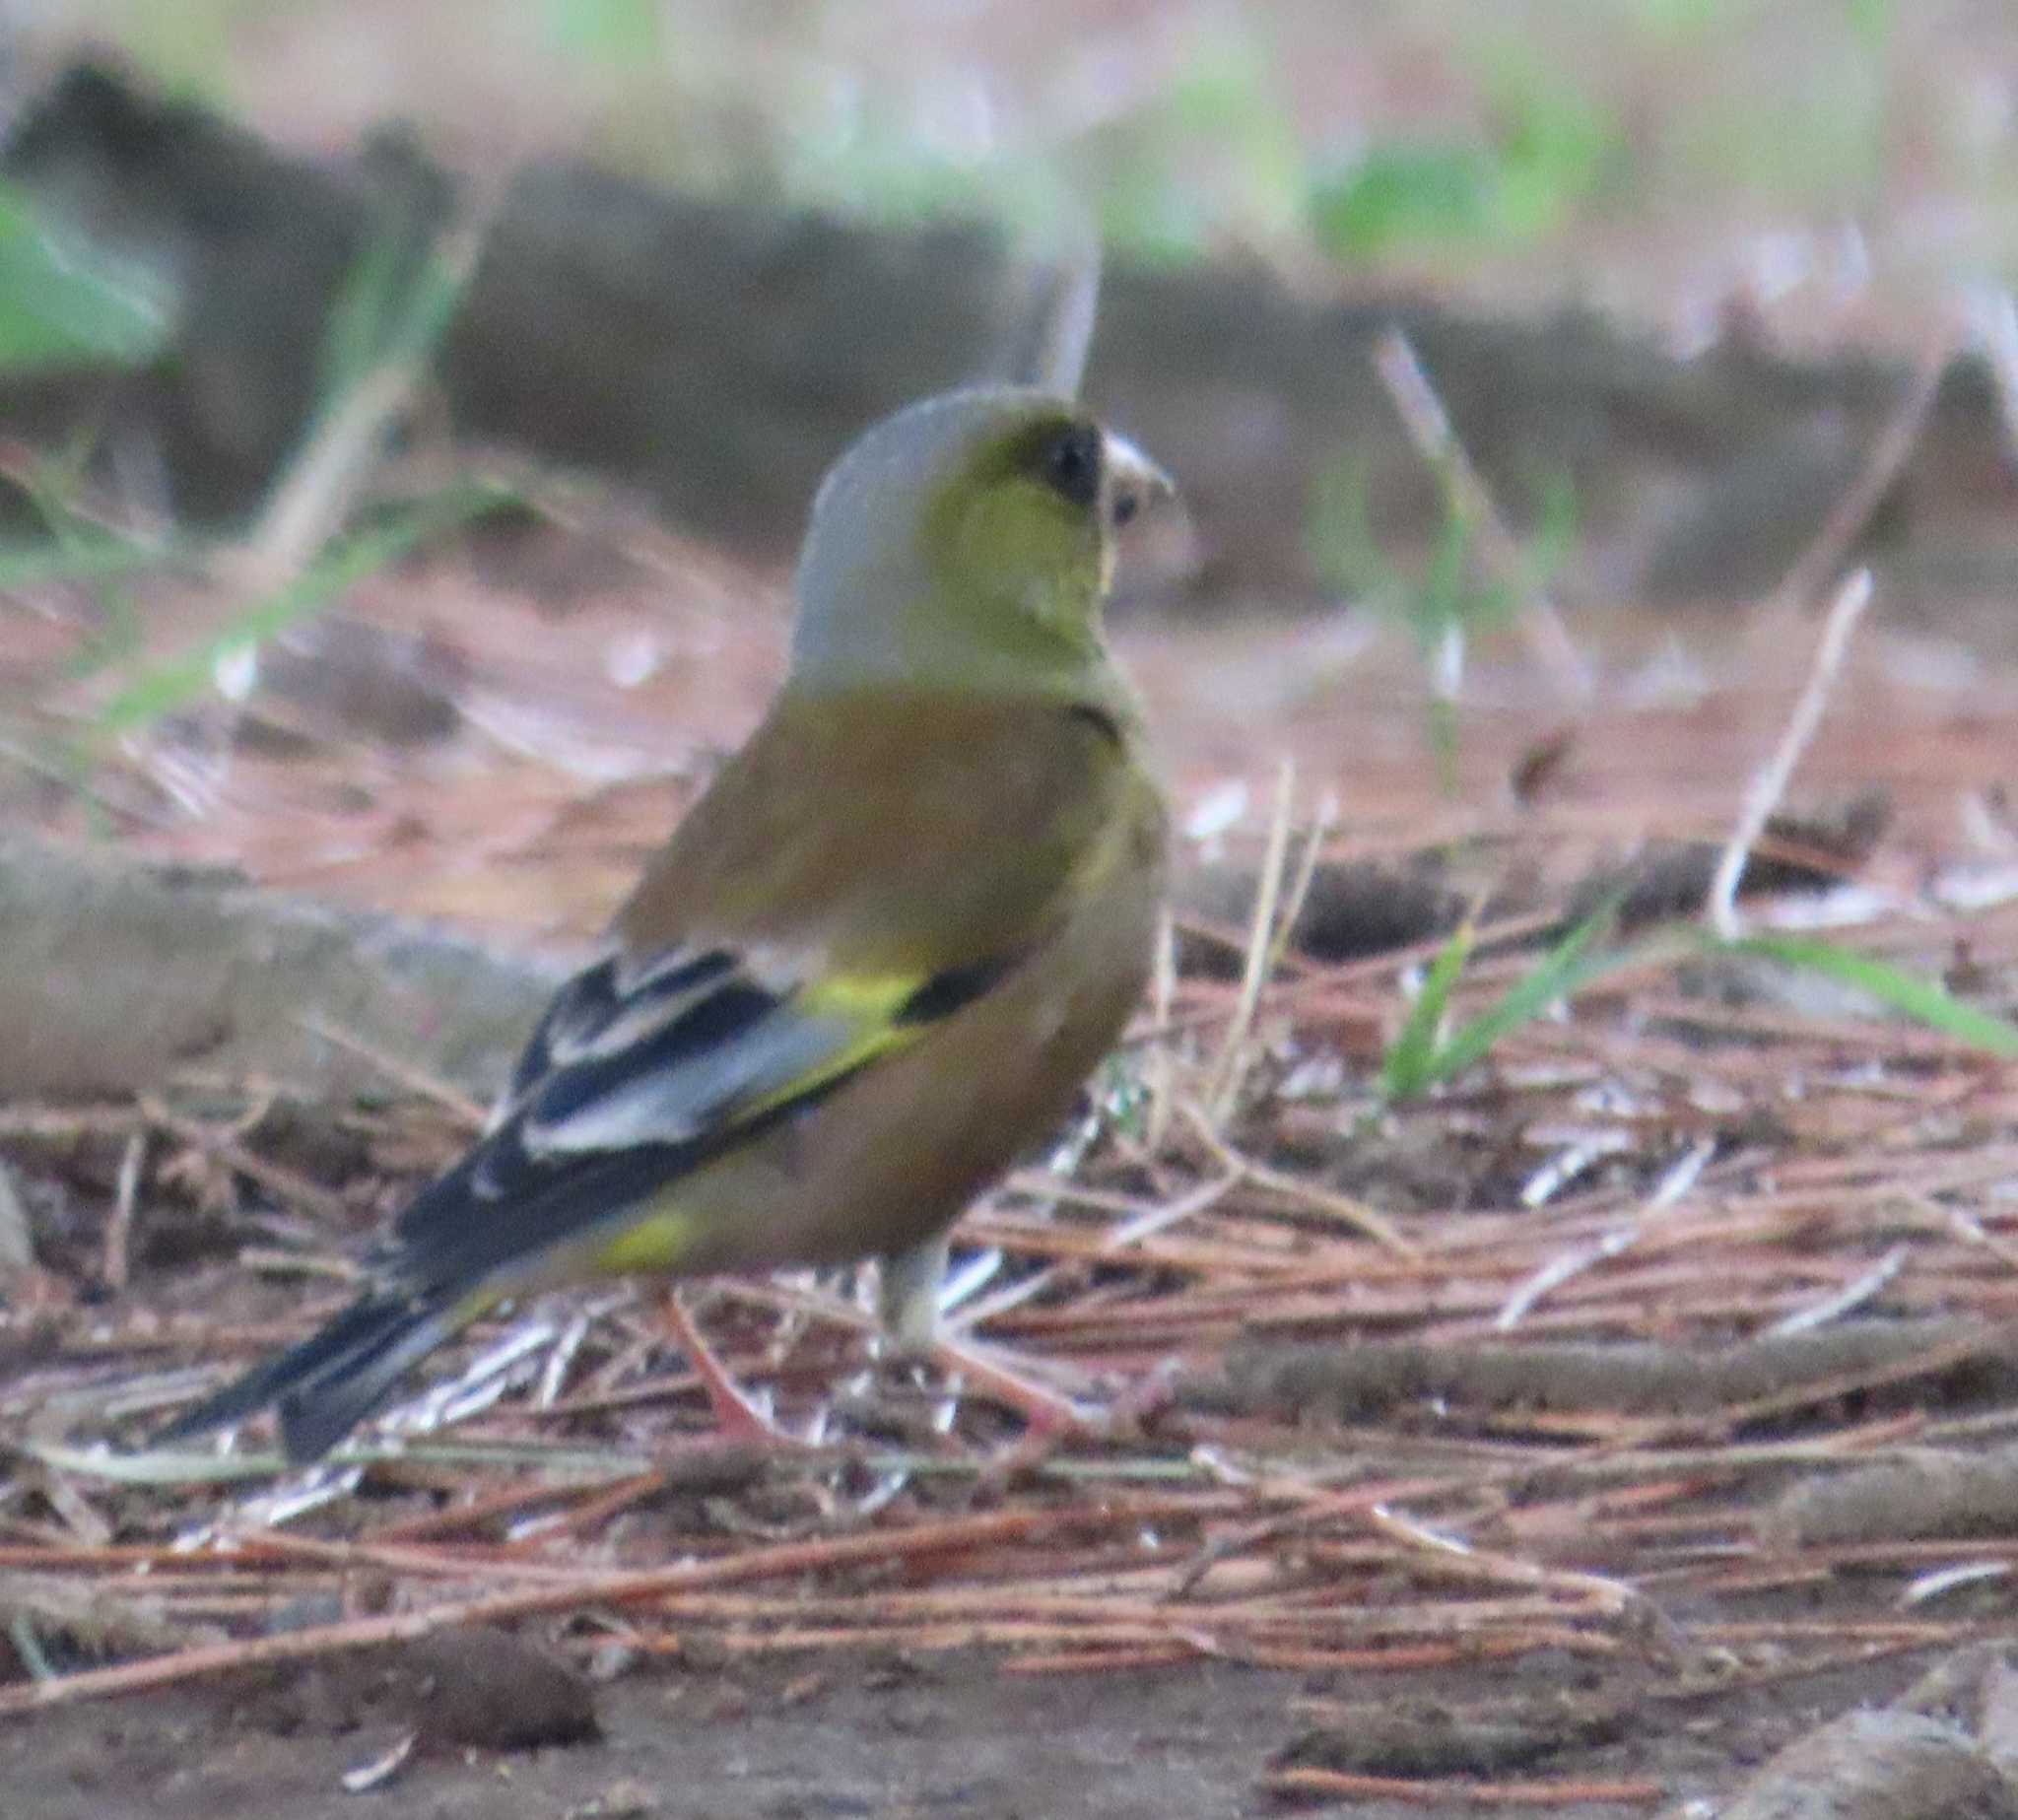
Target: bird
(879,956)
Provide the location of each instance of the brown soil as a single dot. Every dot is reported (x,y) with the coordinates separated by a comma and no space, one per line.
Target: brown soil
(952,1735)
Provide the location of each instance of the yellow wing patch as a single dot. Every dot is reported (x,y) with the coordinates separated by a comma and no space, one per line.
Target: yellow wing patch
(655,1241)
(869,1003)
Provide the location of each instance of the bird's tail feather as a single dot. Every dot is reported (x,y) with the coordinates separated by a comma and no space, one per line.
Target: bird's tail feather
(335,1377)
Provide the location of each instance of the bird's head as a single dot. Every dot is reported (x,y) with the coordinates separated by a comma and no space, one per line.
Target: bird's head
(967,542)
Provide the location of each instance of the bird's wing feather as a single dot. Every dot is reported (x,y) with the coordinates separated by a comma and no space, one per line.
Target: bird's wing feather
(627,1084)
(764,962)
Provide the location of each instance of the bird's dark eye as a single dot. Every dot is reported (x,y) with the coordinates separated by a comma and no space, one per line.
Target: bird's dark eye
(1071,463)
(1126,504)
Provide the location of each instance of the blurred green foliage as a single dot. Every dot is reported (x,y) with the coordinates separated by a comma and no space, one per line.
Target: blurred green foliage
(64,302)
(1438,131)
(1449,598)
(391,310)
(1448,592)
(1213,149)
(165,687)
(608,30)
(1551,152)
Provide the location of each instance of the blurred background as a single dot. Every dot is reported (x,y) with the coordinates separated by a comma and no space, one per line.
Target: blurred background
(1637,154)
(449,381)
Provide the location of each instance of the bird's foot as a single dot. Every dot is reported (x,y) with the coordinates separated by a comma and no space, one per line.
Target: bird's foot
(738,1418)
(1049,1415)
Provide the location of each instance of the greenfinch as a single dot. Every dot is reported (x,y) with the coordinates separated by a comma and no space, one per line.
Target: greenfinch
(877,959)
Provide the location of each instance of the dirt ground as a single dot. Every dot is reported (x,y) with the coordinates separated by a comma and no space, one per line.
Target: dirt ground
(948,1734)
(1819,1128)
(834,1731)
(871,1737)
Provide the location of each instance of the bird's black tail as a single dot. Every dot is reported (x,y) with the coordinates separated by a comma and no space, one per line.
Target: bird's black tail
(335,1377)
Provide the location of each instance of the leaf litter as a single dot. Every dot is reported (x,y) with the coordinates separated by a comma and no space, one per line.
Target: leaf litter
(1669,1328)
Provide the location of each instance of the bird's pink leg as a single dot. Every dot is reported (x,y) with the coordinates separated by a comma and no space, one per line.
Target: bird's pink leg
(737,1417)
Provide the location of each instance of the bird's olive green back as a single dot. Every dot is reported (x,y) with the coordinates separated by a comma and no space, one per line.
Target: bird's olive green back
(948,830)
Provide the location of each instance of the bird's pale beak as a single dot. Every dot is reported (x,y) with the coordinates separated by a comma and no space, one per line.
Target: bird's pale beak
(1135,482)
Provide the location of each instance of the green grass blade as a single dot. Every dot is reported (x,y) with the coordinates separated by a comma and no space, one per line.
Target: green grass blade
(1925,1001)
(363,317)
(346,562)
(1409,1066)
(1557,976)
(96,558)
(389,309)
(1560,974)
